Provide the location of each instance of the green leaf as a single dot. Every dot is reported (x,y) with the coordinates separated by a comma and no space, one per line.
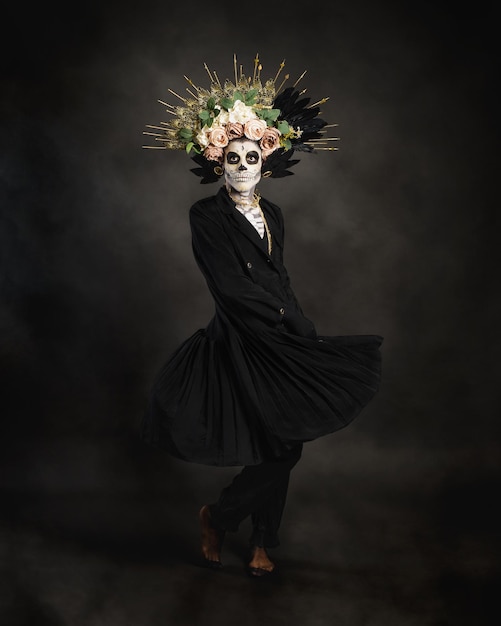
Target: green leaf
(226,103)
(189,146)
(283,127)
(250,97)
(287,144)
(204,115)
(270,115)
(273,114)
(211,103)
(185,133)
(237,95)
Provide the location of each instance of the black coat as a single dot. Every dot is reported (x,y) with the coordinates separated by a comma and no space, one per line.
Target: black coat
(250,287)
(257,379)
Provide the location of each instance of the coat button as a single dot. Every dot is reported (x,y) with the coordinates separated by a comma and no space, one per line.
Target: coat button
(282,311)
(249,264)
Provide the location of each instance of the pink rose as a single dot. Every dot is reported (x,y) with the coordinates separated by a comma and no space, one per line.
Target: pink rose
(213,153)
(234,130)
(218,137)
(270,141)
(255,129)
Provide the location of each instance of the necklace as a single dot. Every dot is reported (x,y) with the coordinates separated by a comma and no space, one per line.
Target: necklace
(268,234)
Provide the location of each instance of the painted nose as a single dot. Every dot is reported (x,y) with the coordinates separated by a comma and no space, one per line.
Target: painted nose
(241,167)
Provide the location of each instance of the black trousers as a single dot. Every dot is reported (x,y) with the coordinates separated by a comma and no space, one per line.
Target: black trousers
(259,491)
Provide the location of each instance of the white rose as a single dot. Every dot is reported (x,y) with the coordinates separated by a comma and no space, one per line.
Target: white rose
(241,113)
(222,118)
(202,139)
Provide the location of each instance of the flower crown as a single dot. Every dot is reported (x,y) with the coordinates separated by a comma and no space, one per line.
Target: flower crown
(277,120)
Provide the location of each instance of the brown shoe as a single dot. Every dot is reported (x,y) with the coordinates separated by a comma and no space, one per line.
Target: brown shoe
(212,539)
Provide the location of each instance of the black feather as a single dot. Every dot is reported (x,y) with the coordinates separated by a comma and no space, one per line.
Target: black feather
(297,114)
(206,169)
(279,162)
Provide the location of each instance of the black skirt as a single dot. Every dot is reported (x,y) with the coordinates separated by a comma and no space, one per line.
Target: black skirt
(241,400)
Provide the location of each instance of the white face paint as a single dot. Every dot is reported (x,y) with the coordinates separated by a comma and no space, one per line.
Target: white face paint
(242,165)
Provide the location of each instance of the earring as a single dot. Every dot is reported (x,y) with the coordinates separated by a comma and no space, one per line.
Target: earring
(218,170)
(266,174)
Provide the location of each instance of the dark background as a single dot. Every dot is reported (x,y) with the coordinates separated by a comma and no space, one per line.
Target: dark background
(392,521)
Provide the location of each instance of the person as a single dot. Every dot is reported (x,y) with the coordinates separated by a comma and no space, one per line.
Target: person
(258,382)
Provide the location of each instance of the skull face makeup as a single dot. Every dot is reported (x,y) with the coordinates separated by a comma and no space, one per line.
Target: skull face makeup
(242,165)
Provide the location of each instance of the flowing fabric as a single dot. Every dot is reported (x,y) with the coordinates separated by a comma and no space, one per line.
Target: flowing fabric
(258,379)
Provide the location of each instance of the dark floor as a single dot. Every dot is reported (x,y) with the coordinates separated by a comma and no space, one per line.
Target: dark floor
(104,535)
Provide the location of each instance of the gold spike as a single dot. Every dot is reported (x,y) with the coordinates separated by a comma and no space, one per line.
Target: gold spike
(286,78)
(241,72)
(191,93)
(208,72)
(153,134)
(302,92)
(297,81)
(177,95)
(217,78)
(316,104)
(259,68)
(151,126)
(156,147)
(330,125)
(280,68)
(192,84)
(312,142)
(166,104)
(324,139)
(256,63)
(235,67)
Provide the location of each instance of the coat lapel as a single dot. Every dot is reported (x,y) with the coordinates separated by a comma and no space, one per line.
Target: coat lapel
(241,223)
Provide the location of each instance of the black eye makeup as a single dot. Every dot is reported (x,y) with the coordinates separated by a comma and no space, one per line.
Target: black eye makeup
(251,157)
